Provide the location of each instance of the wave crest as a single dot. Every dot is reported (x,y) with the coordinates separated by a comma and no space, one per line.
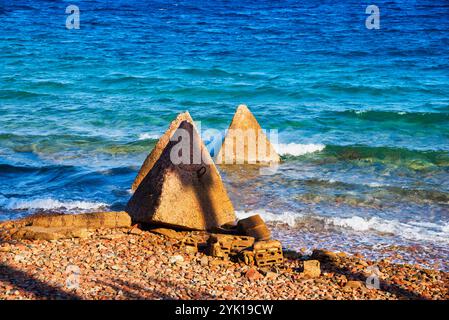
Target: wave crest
(50,204)
(148,136)
(297,149)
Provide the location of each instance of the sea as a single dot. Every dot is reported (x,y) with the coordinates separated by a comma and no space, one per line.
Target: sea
(359,98)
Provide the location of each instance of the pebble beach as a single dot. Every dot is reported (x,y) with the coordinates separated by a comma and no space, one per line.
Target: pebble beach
(130,263)
(307,140)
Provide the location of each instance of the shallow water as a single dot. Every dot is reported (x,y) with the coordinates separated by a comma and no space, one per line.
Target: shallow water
(362,115)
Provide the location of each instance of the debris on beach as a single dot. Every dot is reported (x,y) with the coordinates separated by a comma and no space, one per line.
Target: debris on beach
(255,147)
(225,246)
(246,249)
(268,253)
(188,193)
(255,227)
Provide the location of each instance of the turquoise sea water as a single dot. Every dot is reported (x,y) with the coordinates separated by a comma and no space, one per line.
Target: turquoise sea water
(362,115)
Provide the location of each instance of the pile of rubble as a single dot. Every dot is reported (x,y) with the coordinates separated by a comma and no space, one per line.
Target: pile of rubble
(236,245)
(250,244)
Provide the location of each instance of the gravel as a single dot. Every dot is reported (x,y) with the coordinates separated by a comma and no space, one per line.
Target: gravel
(117,264)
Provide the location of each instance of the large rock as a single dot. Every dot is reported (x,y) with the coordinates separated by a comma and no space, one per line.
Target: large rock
(183,188)
(158,148)
(245,142)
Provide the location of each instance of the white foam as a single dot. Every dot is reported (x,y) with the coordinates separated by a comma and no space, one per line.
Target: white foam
(412,230)
(377,185)
(297,149)
(148,136)
(445,228)
(49,204)
(362,224)
(286,217)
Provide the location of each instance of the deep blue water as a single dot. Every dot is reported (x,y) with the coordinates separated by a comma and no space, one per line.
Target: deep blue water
(80,109)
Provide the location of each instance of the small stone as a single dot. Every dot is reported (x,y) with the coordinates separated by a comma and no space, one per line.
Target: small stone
(5,249)
(190,249)
(312,268)
(176,259)
(204,261)
(252,274)
(112,236)
(271,275)
(350,285)
(19,258)
(169,233)
(217,262)
(135,231)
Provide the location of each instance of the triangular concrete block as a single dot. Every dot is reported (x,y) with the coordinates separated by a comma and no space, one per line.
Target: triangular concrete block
(159,147)
(246,142)
(183,188)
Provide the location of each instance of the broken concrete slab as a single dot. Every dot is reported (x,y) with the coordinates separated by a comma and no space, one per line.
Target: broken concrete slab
(53,227)
(255,227)
(246,142)
(183,189)
(96,220)
(46,233)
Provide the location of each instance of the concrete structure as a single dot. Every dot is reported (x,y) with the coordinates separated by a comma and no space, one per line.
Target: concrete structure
(245,142)
(158,148)
(182,188)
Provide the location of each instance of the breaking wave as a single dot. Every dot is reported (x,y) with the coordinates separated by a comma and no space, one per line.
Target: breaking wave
(47,204)
(297,149)
(148,136)
(411,230)
(288,217)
